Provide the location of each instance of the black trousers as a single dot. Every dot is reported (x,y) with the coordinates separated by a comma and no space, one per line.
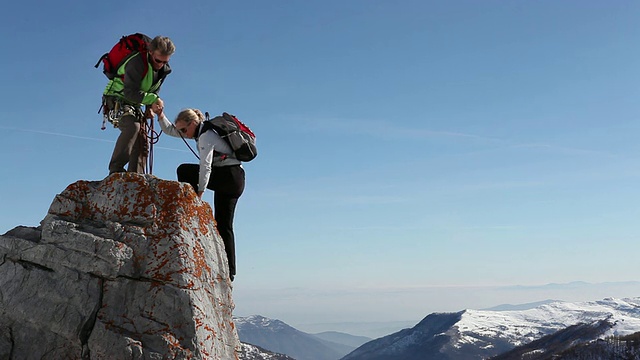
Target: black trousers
(227,183)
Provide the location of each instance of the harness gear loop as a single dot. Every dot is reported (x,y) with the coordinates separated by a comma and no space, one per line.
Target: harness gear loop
(113,109)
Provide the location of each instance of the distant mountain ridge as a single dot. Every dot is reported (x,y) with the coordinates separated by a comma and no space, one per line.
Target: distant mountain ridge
(478,334)
(527,306)
(276,336)
(342,338)
(567,330)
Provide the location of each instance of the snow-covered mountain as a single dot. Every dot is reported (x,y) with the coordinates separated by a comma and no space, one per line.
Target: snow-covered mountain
(577,343)
(253,352)
(479,334)
(275,335)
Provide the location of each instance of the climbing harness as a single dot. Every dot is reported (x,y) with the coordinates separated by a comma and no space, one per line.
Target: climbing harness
(114,109)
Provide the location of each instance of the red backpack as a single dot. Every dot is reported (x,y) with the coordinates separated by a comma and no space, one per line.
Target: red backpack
(125,48)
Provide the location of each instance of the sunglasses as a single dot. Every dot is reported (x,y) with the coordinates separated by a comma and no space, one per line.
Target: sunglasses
(184,129)
(159,61)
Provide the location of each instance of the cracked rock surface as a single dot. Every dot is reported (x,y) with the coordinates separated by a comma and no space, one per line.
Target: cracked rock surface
(130,267)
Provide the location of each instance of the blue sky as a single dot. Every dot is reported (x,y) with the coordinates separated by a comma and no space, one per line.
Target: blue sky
(403,144)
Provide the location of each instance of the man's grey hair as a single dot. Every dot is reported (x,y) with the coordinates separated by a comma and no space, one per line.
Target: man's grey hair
(163,44)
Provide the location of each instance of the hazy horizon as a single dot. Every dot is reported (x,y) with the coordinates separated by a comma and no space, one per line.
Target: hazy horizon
(355,309)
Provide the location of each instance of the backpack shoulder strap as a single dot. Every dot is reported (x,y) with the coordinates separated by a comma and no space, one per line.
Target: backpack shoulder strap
(133,57)
(145,61)
(143,50)
(206,126)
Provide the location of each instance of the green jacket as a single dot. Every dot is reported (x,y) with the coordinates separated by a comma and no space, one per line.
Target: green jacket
(131,86)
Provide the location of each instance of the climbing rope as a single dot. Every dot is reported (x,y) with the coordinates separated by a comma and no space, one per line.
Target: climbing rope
(151,138)
(113,110)
(206,114)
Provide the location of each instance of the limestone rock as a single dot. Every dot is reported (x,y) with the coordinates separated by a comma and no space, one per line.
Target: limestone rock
(130,267)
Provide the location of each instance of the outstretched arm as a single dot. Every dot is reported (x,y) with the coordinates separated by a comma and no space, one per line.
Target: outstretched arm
(166,125)
(206,147)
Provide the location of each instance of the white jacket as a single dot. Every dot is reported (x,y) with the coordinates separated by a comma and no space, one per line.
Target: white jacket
(208,143)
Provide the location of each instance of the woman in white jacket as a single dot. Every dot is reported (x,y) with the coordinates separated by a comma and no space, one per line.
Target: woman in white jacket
(218,170)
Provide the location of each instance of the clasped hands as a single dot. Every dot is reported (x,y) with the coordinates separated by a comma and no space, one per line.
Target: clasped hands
(155,109)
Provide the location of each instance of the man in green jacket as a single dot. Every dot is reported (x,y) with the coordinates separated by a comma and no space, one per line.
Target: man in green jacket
(135,86)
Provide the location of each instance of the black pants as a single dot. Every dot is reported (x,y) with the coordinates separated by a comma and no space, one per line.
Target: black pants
(227,182)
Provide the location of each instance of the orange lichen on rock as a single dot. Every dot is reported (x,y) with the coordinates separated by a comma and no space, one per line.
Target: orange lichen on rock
(199,260)
(172,287)
(175,348)
(71,202)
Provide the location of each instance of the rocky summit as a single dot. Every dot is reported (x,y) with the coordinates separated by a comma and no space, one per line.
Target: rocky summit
(130,267)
